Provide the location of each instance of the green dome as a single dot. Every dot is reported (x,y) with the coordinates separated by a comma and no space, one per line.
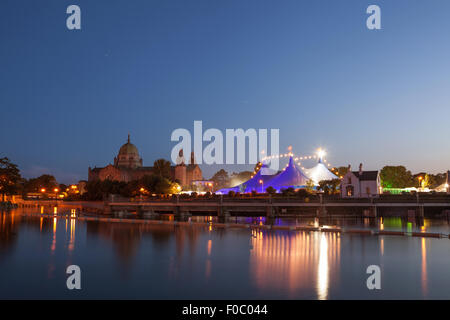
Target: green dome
(128,148)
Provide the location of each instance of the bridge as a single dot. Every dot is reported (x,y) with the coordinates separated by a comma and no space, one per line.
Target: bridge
(269,206)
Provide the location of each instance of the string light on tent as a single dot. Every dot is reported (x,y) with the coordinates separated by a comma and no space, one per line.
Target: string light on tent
(320,154)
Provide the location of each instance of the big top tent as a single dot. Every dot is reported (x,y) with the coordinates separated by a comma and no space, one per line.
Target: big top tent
(256,183)
(320,172)
(291,176)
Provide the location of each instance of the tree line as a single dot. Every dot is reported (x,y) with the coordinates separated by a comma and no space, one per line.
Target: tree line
(160,182)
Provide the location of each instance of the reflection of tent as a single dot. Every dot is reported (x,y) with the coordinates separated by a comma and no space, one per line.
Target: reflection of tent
(291,176)
(320,172)
(252,184)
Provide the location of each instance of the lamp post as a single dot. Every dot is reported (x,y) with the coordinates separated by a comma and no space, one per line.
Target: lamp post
(56,193)
(420,181)
(262,185)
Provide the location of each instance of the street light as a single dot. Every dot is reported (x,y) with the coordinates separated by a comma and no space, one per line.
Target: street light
(420,181)
(262,185)
(56,193)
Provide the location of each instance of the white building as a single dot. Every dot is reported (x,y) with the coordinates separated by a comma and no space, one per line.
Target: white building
(360,184)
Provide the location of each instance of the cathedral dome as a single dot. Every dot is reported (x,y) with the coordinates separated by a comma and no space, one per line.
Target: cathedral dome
(128,156)
(128,149)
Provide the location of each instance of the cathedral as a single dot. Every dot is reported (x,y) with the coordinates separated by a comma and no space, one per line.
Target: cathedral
(128,166)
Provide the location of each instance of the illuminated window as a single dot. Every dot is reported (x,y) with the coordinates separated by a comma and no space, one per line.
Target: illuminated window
(350,191)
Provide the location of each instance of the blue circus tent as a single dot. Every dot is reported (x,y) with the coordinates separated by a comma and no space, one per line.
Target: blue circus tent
(291,176)
(252,184)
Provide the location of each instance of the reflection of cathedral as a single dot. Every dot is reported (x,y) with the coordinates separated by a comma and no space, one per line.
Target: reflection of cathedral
(128,166)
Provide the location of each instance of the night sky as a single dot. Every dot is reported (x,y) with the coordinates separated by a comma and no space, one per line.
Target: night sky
(311,68)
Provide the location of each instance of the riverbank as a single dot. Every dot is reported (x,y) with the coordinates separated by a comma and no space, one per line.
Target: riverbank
(317,206)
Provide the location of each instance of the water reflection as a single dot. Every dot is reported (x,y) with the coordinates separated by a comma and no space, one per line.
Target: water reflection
(72,219)
(288,260)
(210,262)
(424,268)
(322,274)
(8,233)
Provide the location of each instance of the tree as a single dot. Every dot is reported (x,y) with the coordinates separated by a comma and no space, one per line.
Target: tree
(288,191)
(329,186)
(156,184)
(342,171)
(437,179)
(9,177)
(396,177)
(309,185)
(221,179)
(239,177)
(302,193)
(271,190)
(162,168)
(426,181)
(45,181)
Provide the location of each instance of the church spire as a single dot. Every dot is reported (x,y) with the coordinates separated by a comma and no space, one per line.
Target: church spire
(128,137)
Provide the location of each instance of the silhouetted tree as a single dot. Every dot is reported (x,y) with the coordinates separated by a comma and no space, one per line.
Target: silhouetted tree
(396,177)
(329,186)
(45,181)
(221,179)
(271,190)
(9,177)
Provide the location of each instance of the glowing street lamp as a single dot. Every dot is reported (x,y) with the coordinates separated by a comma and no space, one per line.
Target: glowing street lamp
(262,185)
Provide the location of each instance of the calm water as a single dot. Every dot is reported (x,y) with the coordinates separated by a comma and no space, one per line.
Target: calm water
(119,260)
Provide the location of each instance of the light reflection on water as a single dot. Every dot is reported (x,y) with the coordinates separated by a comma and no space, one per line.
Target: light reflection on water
(288,261)
(153,261)
(424,267)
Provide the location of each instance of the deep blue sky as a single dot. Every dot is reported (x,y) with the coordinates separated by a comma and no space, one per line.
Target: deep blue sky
(310,68)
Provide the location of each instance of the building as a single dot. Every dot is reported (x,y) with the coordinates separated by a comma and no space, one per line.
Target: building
(128,166)
(360,184)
